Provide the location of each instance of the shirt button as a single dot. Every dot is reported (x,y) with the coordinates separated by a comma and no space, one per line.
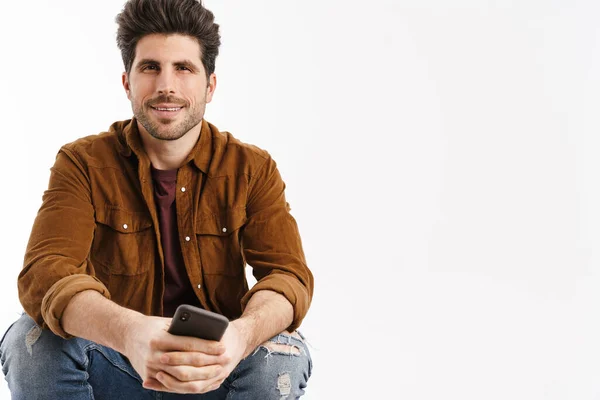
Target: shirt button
(125,226)
(199,286)
(187,239)
(224,229)
(183,189)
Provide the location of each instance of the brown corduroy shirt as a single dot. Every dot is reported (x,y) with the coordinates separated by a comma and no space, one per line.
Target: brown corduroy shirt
(98,229)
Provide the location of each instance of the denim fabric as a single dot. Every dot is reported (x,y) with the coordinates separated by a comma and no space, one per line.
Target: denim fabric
(40,365)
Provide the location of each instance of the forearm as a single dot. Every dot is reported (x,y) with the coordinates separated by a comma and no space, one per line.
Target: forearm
(266,314)
(91,316)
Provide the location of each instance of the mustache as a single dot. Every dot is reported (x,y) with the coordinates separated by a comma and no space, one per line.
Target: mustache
(166,99)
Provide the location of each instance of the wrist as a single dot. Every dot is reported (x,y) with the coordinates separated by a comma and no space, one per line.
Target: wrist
(244,326)
(131,321)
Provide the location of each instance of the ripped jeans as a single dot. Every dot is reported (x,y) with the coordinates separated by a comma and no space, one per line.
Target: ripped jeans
(38,364)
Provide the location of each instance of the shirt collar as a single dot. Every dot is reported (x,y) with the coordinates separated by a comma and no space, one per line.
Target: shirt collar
(130,142)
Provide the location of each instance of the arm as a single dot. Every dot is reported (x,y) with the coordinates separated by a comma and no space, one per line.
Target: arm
(56,265)
(91,316)
(267,314)
(272,245)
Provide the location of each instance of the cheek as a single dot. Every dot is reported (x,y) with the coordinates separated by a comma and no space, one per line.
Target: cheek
(191,100)
(140,99)
(140,90)
(193,91)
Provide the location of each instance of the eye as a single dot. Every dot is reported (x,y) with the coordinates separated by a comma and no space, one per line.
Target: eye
(184,68)
(150,67)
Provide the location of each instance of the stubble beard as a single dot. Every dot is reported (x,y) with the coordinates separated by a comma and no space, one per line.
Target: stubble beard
(168,129)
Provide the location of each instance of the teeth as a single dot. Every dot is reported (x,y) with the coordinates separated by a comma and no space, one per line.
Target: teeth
(167,109)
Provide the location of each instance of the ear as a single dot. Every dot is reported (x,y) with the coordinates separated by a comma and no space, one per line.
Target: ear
(212,86)
(125,81)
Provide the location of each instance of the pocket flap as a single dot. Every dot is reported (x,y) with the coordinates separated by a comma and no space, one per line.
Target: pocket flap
(122,220)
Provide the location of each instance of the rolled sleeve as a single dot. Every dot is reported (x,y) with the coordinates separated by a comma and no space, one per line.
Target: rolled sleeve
(295,292)
(60,294)
(272,245)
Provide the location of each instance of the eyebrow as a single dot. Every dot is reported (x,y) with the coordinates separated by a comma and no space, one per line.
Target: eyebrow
(181,63)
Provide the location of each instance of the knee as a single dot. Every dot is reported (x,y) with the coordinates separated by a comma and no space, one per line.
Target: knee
(280,369)
(27,347)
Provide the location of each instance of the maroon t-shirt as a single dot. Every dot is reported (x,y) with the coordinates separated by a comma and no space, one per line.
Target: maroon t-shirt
(178,289)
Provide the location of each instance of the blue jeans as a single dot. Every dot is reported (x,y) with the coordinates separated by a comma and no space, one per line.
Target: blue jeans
(38,364)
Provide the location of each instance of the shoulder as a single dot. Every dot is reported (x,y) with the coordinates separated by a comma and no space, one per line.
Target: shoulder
(232,153)
(101,149)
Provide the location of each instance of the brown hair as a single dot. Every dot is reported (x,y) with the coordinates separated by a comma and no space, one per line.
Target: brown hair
(185,17)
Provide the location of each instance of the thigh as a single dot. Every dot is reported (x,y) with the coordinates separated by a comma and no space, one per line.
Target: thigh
(37,364)
(277,369)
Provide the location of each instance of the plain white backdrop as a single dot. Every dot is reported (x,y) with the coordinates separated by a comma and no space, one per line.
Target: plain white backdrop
(441,160)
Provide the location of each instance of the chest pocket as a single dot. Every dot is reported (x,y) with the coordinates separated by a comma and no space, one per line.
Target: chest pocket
(218,238)
(123,241)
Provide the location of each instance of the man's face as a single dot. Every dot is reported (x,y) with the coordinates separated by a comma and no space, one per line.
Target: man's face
(167,85)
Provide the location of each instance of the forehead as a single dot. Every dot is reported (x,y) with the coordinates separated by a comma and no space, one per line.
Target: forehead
(168,48)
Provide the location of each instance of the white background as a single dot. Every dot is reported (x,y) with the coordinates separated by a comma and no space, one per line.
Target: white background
(441,160)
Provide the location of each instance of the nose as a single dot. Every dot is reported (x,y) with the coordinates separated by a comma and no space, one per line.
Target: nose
(165,82)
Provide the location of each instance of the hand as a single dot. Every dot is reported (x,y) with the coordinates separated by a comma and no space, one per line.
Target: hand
(147,340)
(197,371)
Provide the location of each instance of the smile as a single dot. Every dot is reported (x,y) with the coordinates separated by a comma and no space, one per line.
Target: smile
(167,109)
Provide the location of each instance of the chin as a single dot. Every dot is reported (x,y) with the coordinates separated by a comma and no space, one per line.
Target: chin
(168,136)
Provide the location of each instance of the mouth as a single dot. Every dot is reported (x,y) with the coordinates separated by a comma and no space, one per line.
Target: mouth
(166,111)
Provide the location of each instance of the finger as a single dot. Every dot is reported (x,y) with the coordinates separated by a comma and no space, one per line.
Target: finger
(176,386)
(195,359)
(170,342)
(214,387)
(187,374)
(153,384)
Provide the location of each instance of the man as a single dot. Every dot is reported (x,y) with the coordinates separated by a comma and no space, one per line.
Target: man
(161,210)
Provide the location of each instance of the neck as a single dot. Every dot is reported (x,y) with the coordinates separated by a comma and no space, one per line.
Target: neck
(169,154)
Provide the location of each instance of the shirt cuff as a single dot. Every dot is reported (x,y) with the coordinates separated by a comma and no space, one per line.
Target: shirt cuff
(60,294)
(291,288)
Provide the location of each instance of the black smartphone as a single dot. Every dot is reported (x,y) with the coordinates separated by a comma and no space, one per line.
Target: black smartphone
(193,321)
